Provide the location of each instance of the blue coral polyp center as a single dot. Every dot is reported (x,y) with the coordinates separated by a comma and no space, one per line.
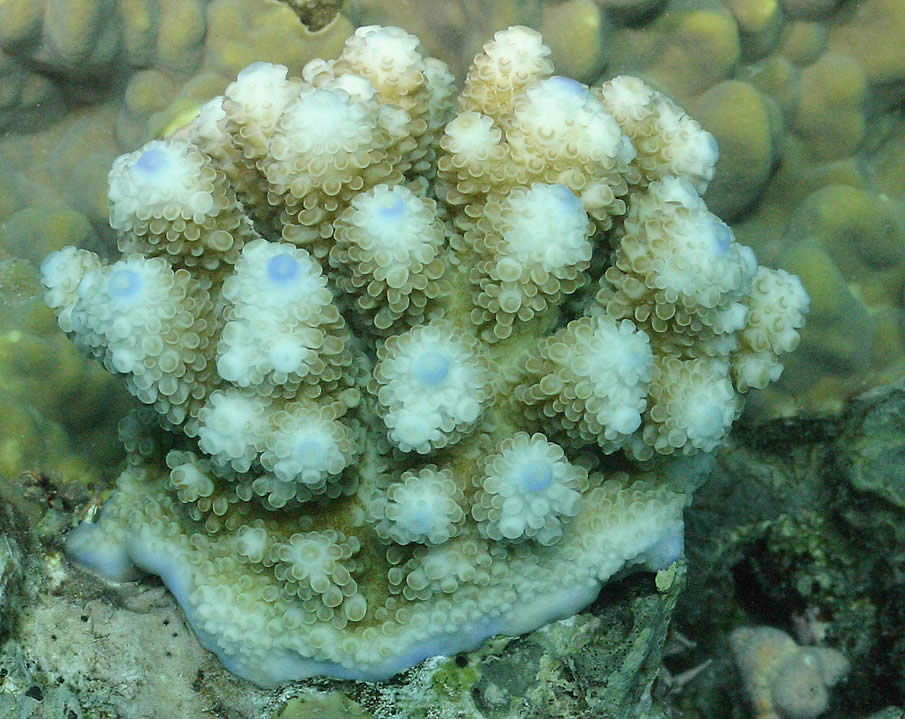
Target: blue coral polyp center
(419,520)
(567,84)
(432,368)
(151,161)
(534,477)
(568,199)
(394,211)
(722,237)
(311,451)
(125,284)
(282,269)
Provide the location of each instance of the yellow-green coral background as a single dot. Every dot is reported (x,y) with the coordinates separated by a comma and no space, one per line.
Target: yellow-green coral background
(800,94)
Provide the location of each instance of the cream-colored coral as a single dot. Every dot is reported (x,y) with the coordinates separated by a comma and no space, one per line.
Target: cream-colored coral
(378,410)
(432,384)
(283,334)
(388,249)
(777,306)
(514,60)
(308,446)
(329,146)
(530,249)
(217,506)
(668,141)
(677,271)
(236,129)
(424,506)
(168,199)
(114,302)
(691,407)
(527,490)
(391,62)
(556,132)
(589,382)
(314,566)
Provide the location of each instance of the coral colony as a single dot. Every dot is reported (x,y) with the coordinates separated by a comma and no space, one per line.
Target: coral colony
(416,369)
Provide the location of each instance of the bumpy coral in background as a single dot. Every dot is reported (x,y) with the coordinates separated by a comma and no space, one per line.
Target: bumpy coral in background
(430,373)
(51,401)
(168,55)
(784,680)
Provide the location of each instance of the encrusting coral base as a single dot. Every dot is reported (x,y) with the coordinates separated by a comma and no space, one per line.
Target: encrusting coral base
(414,373)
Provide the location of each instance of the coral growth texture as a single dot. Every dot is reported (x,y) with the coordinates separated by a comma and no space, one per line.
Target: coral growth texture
(416,368)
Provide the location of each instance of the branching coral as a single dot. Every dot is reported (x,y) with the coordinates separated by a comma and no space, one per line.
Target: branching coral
(402,353)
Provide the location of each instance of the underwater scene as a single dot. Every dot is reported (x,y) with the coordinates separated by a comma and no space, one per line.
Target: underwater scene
(476,359)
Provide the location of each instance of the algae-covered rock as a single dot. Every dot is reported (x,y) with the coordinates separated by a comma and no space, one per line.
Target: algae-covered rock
(601,664)
(323,706)
(806,531)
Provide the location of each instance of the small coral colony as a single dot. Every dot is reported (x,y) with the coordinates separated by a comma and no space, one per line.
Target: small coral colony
(415,367)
